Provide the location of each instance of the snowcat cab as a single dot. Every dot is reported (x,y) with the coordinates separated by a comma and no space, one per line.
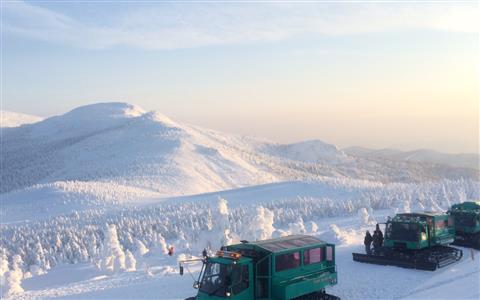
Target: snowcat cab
(416,240)
(418,231)
(226,276)
(466,217)
(292,267)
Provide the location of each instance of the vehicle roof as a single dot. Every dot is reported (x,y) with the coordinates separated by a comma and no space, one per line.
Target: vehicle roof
(422,214)
(468,205)
(228,261)
(288,243)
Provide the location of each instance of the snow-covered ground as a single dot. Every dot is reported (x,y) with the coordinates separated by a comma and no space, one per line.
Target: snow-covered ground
(157,276)
(90,200)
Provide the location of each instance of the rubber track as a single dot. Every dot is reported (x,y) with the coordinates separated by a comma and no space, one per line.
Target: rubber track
(428,259)
(317,296)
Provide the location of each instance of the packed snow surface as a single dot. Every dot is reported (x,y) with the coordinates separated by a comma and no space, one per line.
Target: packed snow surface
(92,199)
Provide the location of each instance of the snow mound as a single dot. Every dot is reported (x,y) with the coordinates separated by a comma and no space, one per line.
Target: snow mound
(342,236)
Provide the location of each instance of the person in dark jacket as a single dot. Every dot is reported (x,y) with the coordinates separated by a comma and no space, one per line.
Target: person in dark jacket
(377,238)
(367,241)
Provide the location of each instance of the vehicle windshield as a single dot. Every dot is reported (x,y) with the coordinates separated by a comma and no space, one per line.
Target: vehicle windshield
(215,279)
(465,219)
(403,232)
(219,278)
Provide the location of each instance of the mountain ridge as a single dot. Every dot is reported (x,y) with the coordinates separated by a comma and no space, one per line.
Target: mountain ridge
(120,143)
(464,160)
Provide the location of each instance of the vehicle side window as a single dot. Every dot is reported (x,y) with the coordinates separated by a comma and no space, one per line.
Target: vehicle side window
(241,280)
(388,230)
(329,253)
(287,261)
(451,221)
(312,256)
(440,224)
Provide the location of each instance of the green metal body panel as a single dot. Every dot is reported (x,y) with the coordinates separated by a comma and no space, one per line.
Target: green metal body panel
(267,283)
(434,229)
(466,211)
(308,281)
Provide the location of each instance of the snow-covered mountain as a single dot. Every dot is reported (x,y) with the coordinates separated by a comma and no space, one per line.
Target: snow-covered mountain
(156,181)
(462,160)
(145,154)
(13,119)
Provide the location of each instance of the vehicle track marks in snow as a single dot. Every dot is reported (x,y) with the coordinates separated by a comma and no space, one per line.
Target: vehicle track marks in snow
(441,283)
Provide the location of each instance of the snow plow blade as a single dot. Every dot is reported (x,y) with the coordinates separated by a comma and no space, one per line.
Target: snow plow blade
(387,261)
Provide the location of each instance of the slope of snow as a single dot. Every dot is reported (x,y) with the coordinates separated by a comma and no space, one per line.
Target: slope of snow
(13,119)
(146,152)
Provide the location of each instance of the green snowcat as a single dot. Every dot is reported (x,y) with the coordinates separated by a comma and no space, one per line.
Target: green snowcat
(296,267)
(416,240)
(466,217)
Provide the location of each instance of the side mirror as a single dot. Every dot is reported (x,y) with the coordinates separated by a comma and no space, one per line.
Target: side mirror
(181,270)
(196,285)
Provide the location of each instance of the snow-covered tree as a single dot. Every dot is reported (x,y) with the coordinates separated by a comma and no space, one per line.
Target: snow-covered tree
(130,261)
(113,257)
(311,227)
(140,248)
(3,266)
(222,223)
(297,227)
(13,278)
(365,218)
(260,226)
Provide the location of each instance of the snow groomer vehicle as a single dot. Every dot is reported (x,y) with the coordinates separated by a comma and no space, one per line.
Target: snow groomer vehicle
(417,241)
(466,217)
(296,267)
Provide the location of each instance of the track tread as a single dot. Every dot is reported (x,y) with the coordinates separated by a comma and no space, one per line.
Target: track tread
(428,259)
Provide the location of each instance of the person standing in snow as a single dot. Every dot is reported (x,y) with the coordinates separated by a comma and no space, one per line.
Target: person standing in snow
(367,241)
(377,238)
(171,251)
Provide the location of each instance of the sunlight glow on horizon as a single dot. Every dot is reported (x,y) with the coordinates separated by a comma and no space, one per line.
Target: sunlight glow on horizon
(381,76)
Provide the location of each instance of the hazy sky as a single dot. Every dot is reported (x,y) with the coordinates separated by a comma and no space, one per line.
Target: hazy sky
(367,74)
